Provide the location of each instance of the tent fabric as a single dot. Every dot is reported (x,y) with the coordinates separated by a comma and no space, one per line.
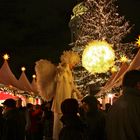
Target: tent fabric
(6,75)
(34,86)
(117,80)
(8,78)
(114,78)
(107,83)
(4,96)
(110,79)
(122,70)
(117,76)
(135,64)
(24,83)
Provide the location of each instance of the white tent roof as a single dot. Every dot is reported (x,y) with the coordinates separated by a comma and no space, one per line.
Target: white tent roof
(6,75)
(24,83)
(9,79)
(117,80)
(34,86)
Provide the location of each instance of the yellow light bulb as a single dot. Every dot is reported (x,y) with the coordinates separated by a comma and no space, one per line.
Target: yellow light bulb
(34,76)
(6,57)
(23,68)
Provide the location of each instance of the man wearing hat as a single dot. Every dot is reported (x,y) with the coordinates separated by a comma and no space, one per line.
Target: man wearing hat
(13,127)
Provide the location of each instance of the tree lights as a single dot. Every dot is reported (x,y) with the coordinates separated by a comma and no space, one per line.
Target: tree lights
(138,41)
(98,57)
(99,20)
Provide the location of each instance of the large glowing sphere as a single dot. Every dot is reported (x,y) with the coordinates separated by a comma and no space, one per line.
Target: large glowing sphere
(98,57)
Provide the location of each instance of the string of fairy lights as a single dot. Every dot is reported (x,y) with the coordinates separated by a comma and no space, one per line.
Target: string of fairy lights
(15,91)
(99,21)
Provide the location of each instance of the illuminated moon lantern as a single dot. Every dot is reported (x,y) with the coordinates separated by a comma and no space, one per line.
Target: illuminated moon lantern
(98,57)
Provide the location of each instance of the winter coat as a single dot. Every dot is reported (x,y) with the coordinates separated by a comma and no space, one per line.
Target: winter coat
(74,128)
(123,119)
(1,125)
(13,126)
(96,125)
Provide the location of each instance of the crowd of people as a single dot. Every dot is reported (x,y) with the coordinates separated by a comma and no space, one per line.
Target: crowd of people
(33,122)
(84,121)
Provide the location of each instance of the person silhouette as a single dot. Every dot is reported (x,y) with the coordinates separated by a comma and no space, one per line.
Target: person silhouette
(123,118)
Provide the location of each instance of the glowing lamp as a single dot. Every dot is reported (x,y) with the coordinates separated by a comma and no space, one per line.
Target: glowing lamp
(23,68)
(6,57)
(34,76)
(98,57)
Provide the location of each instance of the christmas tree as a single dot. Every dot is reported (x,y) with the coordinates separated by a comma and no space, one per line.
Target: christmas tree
(98,20)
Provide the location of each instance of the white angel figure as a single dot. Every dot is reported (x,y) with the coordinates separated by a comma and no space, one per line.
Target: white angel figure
(57,83)
(45,74)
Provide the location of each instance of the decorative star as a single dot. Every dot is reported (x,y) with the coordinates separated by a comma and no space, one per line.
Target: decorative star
(138,41)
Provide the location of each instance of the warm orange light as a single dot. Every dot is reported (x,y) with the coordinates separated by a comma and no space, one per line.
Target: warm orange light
(98,57)
(6,57)
(23,68)
(123,59)
(34,76)
(114,69)
(138,41)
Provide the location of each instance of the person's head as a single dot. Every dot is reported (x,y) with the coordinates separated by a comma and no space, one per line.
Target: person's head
(70,57)
(29,106)
(37,107)
(9,104)
(131,79)
(18,102)
(69,106)
(90,103)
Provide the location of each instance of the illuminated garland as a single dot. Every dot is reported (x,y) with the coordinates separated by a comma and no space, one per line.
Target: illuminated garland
(100,21)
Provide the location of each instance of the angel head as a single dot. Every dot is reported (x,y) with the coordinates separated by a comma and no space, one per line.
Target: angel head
(71,58)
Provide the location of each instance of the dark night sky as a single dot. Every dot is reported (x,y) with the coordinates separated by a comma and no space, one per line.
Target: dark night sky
(35,29)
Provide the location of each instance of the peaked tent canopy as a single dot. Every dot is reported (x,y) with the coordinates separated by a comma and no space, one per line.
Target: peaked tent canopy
(34,86)
(6,75)
(24,83)
(117,80)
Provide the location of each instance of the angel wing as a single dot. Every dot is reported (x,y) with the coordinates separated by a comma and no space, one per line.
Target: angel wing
(45,72)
